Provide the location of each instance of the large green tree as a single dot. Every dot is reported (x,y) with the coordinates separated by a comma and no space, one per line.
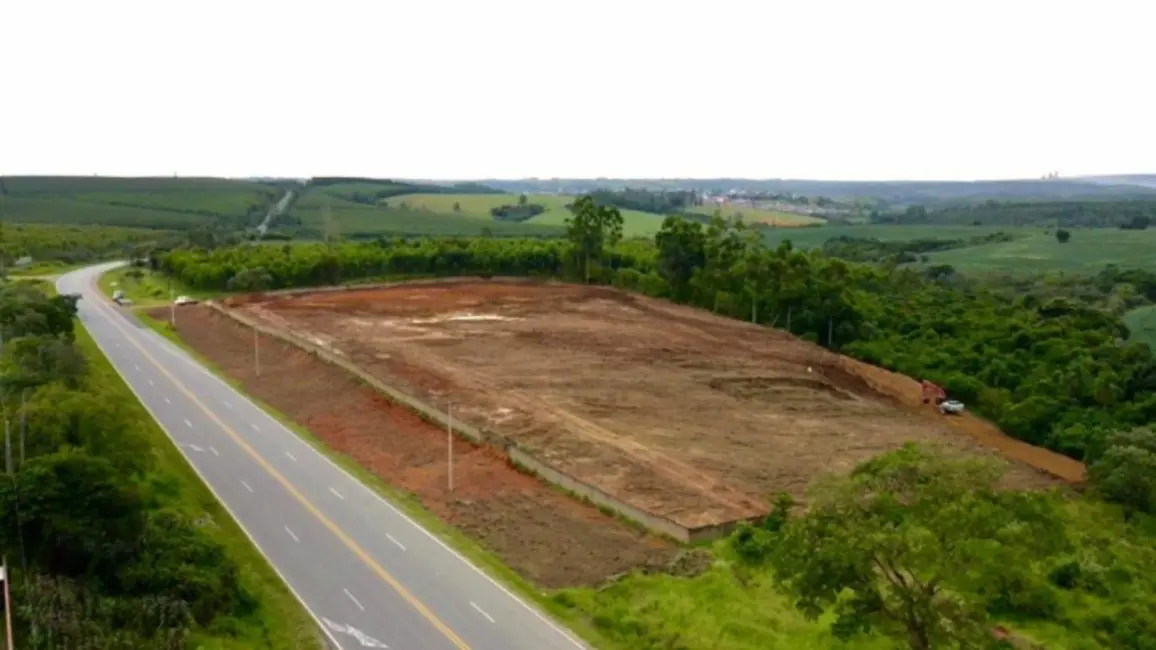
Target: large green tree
(591,228)
(1125,472)
(908,544)
(681,252)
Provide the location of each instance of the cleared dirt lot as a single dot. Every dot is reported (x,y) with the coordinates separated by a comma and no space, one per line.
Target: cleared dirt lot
(544,535)
(689,416)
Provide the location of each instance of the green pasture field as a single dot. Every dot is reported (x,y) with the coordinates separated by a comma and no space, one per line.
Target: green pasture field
(1142,323)
(354,220)
(478,206)
(1034,250)
(761,215)
(1088,251)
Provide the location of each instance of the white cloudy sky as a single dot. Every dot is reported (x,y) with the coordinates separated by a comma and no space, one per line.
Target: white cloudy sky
(853,89)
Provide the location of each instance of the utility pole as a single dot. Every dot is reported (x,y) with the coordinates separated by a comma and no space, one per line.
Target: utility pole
(23,421)
(450,442)
(4,561)
(7,602)
(173,308)
(256,351)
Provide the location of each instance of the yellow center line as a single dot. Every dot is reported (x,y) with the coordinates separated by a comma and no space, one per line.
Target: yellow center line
(325,521)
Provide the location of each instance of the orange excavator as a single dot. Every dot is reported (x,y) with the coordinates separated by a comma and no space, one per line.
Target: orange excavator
(934,394)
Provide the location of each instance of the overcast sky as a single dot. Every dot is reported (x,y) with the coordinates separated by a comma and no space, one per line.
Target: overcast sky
(879,89)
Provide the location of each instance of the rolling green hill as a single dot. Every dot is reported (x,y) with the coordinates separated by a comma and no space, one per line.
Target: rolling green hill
(160,203)
(1088,251)
(409,214)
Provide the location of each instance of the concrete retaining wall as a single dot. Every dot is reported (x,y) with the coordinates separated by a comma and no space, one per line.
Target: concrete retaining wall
(517,455)
(278,293)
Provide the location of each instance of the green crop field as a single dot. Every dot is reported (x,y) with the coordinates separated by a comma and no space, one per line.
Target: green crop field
(1035,249)
(164,203)
(478,206)
(1088,251)
(357,220)
(1142,322)
(760,215)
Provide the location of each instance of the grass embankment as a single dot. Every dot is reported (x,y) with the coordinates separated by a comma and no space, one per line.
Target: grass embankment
(277,620)
(149,289)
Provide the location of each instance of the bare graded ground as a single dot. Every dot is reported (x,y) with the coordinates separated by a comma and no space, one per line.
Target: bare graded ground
(546,536)
(683,414)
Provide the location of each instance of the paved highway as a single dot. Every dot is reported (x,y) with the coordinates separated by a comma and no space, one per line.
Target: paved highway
(369,575)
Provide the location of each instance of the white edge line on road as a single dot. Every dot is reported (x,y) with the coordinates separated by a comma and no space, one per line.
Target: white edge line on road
(312,614)
(188,424)
(227,405)
(399,544)
(214,450)
(255,427)
(184,356)
(336,494)
(167,400)
(246,486)
(291,457)
(355,601)
(292,535)
(482,611)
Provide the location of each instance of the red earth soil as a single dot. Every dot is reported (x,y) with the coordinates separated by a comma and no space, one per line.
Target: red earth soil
(683,414)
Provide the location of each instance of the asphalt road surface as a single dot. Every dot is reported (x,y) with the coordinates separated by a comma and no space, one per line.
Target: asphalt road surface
(369,575)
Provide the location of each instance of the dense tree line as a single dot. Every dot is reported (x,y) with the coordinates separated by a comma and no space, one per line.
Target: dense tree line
(521,211)
(1053,372)
(1081,214)
(1114,290)
(921,547)
(75,244)
(870,249)
(662,202)
(103,551)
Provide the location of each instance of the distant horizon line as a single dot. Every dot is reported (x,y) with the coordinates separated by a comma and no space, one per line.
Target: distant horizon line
(1123,175)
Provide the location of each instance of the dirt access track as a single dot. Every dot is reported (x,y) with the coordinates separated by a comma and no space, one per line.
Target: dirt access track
(685,416)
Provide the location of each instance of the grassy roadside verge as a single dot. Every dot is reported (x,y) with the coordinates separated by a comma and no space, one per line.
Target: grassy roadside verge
(148,289)
(277,620)
(560,610)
